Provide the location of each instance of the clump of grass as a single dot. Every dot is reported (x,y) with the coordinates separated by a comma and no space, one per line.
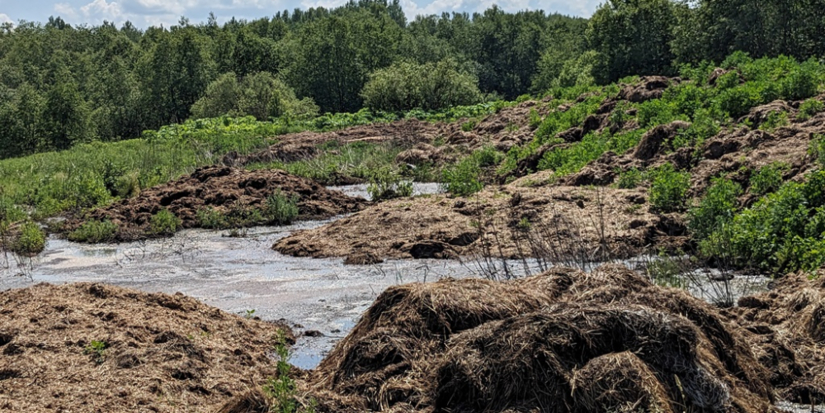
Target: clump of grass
(94,232)
(210,218)
(387,184)
(468,126)
(31,241)
(817,149)
(164,222)
(281,209)
(668,189)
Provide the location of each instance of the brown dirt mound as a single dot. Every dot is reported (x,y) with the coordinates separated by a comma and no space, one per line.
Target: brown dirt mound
(564,341)
(224,189)
(509,221)
(648,88)
(163,353)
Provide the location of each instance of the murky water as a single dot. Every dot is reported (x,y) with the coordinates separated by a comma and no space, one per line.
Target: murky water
(240,275)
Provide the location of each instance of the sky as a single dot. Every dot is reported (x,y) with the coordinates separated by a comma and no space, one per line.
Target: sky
(145,13)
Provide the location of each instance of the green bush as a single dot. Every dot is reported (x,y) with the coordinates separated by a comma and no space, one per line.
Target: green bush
(281,209)
(261,95)
(716,209)
(94,232)
(164,223)
(406,85)
(768,178)
(387,184)
(32,240)
(630,179)
(782,232)
(210,218)
(775,119)
(668,189)
(817,149)
(809,108)
(462,179)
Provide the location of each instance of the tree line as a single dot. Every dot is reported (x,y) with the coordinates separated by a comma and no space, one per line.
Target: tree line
(63,84)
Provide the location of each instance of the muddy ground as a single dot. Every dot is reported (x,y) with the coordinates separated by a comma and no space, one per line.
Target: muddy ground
(155,352)
(223,189)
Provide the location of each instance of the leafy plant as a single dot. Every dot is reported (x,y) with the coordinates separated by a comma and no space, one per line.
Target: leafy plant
(164,222)
(281,209)
(97,349)
(462,179)
(768,178)
(210,218)
(668,189)
(282,389)
(32,239)
(809,108)
(94,231)
(387,184)
(716,209)
(630,179)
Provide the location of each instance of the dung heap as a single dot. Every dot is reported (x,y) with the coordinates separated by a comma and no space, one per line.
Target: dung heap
(564,341)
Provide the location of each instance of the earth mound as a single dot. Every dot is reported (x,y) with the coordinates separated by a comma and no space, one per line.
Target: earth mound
(563,341)
(559,224)
(94,347)
(225,190)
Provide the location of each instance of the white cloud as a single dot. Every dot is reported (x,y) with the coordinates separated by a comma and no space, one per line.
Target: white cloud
(66,11)
(101,10)
(4,18)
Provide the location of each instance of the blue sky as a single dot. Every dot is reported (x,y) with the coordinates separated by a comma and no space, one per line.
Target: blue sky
(144,13)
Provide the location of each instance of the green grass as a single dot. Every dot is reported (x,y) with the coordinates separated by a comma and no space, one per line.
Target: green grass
(94,232)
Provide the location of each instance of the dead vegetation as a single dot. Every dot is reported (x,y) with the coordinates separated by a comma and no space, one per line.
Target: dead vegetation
(93,347)
(559,342)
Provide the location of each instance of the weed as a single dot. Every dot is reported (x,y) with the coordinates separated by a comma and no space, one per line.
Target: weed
(817,149)
(210,218)
(164,223)
(463,179)
(768,178)
(282,389)
(97,349)
(716,209)
(280,209)
(94,232)
(468,126)
(668,189)
(630,179)
(248,314)
(32,240)
(535,119)
(809,108)
(775,120)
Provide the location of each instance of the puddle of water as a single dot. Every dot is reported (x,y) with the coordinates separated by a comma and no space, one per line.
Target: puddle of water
(419,188)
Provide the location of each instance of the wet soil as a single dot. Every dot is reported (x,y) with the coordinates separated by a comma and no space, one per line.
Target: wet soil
(224,189)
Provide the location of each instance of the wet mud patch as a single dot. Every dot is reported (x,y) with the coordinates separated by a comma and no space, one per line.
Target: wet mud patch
(95,347)
(223,190)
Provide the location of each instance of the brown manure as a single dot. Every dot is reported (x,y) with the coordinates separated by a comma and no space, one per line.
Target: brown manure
(563,341)
(98,348)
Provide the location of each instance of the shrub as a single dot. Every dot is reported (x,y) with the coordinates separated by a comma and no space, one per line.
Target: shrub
(281,209)
(210,218)
(717,208)
(462,179)
(775,120)
(164,223)
(94,232)
(406,85)
(31,241)
(817,149)
(387,184)
(768,178)
(630,179)
(261,95)
(809,108)
(668,190)
(128,185)
(468,126)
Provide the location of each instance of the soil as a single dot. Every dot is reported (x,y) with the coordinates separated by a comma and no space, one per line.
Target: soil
(510,221)
(163,353)
(223,189)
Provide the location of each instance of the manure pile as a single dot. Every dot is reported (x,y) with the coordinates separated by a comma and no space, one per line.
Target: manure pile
(564,341)
(224,189)
(99,348)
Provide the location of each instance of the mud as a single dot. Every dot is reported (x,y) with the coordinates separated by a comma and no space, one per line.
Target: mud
(156,352)
(554,223)
(225,190)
